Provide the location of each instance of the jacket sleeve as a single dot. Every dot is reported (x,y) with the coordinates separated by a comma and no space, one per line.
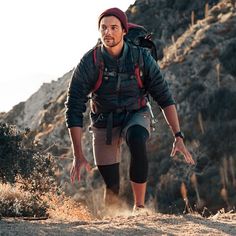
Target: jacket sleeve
(155,83)
(80,86)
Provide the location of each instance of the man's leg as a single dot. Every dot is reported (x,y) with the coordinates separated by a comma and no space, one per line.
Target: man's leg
(107,158)
(110,174)
(136,140)
(139,190)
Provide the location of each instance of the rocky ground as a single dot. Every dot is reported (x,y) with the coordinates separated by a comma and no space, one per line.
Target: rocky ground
(127,224)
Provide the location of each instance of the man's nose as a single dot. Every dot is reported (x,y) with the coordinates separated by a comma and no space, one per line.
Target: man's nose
(107,31)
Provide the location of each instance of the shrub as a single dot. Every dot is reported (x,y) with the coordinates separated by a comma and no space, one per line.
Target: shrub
(33,169)
(26,174)
(10,152)
(16,202)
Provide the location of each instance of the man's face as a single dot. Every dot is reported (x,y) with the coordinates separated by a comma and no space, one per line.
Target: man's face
(111,31)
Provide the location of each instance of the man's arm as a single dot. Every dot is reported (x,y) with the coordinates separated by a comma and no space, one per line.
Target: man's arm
(76,136)
(159,90)
(79,160)
(172,120)
(77,97)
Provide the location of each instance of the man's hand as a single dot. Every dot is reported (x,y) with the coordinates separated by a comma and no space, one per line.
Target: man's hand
(77,165)
(178,146)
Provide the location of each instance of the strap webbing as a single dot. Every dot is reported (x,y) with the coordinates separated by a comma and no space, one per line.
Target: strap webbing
(100,65)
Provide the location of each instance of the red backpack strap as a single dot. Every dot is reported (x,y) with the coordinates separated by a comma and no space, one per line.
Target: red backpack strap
(137,75)
(98,61)
(137,58)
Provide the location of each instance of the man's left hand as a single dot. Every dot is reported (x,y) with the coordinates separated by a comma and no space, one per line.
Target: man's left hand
(179,146)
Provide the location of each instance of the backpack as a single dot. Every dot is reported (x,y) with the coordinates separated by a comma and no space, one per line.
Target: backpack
(138,36)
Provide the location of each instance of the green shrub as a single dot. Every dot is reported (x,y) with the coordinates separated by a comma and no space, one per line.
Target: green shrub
(35,169)
(29,173)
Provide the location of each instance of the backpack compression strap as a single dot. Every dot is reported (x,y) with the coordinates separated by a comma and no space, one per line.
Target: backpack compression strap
(137,75)
(137,59)
(98,62)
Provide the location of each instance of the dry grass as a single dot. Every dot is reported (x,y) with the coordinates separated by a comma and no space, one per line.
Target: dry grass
(222,215)
(15,202)
(64,208)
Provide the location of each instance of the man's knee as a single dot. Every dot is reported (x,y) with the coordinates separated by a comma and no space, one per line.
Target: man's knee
(136,135)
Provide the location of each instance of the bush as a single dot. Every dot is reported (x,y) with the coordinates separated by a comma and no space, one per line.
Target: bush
(42,175)
(28,173)
(16,202)
(15,158)
(35,170)
(10,152)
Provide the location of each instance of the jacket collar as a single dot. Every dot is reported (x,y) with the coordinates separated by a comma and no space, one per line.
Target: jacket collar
(108,57)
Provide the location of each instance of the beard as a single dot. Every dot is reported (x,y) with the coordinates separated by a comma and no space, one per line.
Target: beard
(110,42)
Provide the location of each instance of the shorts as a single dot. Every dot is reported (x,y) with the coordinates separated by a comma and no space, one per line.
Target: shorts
(110,154)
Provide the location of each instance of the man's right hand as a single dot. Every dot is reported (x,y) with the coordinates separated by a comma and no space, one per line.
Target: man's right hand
(77,165)
(79,160)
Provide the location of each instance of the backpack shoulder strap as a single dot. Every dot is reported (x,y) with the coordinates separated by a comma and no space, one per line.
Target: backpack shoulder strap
(99,63)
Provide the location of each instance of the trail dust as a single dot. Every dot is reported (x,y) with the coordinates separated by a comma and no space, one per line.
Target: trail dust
(125,223)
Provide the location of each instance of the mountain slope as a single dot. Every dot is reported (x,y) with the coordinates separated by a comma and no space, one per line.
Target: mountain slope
(199,63)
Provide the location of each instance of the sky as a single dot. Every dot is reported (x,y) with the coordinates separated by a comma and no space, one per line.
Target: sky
(41,40)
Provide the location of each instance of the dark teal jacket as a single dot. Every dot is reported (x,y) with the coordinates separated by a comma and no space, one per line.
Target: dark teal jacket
(122,96)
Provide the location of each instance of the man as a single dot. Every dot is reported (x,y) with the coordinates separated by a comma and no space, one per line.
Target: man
(119,107)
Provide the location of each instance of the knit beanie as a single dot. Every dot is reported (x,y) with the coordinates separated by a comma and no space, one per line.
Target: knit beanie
(118,14)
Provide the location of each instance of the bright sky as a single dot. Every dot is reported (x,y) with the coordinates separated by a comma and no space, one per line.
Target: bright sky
(41,40)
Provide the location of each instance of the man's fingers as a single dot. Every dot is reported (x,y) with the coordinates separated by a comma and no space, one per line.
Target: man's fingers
(88,167)
(72,176)
(76,169)
(191,159)
(78,173)
(188,157)
(173,152)
(74,173)
(78,176)
(185,154)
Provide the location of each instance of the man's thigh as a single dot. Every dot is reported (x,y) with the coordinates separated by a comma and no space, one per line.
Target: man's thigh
(142,118)
(106,154)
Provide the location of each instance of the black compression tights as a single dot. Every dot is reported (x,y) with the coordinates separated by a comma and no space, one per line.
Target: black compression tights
(136,140)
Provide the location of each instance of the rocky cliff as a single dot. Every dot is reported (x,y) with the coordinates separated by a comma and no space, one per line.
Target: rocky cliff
(197,47)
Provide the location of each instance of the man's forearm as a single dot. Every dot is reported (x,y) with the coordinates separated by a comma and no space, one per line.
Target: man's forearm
(171,117)
(76,136)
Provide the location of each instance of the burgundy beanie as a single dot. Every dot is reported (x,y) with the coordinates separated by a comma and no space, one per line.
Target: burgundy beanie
(118,14)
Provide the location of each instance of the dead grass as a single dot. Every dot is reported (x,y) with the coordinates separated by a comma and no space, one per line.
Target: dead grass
(15,202)
(64,208)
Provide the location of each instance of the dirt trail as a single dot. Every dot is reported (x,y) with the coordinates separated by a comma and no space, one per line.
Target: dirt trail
(152,224)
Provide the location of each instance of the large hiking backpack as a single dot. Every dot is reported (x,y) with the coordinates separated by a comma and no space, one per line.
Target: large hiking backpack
(138,36)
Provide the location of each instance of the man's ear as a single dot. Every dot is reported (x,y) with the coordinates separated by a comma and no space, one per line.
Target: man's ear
(124,33)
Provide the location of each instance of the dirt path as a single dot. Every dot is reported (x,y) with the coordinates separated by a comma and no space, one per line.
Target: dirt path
(152,224)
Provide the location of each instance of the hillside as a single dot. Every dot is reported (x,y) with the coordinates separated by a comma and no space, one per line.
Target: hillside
(197,56)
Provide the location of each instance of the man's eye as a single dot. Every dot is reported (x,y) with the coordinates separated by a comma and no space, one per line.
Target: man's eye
(103,28)
(114,28)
